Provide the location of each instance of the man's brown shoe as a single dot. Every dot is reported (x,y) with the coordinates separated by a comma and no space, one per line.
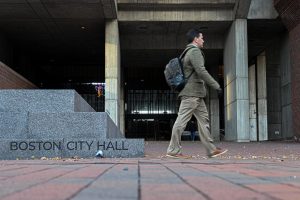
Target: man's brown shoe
(217,152)
(178,156)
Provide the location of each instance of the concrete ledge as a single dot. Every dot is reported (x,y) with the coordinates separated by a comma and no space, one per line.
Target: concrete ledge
(72,125)
(76,125)
(67,125)
(85,148)
(43,101)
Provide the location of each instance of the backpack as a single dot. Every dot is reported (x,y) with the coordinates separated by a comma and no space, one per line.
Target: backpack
(174,73)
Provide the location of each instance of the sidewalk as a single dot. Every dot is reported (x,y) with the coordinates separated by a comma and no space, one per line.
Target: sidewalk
(269,170)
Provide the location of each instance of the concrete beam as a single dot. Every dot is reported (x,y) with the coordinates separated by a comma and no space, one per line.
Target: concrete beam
(179,2)
(109,9)
(176,10)
(241,9)
(182,15)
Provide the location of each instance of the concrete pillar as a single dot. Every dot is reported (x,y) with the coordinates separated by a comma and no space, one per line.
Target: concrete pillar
(252,103)
(113,72)
(262,113)
(214,115)
(122,105)
(236,83)
(213,107)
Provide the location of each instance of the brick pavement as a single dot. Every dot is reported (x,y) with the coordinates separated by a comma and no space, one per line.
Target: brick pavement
(269,170)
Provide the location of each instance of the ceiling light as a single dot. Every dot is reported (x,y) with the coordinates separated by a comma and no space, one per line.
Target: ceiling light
(142,27)
(83,27)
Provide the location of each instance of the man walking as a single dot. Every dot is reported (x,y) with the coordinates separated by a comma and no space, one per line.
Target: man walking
(191,96)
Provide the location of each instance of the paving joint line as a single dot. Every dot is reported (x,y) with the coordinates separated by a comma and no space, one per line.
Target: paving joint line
(43,182)
(86,186)
(5,170)
(265,179)
(139,182)
(40,170)
(190,185)
(237,184)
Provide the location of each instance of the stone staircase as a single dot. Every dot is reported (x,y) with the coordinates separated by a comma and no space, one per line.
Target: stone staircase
(58,123)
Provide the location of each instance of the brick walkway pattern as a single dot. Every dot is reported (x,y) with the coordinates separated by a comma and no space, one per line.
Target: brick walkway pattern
(268,170)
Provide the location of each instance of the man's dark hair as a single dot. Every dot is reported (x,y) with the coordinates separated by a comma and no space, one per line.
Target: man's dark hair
(191,34)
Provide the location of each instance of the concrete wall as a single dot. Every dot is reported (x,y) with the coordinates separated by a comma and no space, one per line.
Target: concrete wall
(262,9)
(273,91)
(286,102)
(279,89)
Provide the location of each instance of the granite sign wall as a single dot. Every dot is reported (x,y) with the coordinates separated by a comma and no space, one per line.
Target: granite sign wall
(58,123)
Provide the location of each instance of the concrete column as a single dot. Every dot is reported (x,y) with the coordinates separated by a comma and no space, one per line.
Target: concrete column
(112,71)
(214,110)
(262,97)
(236,83)
(214,115)
(252,103)
(122,105)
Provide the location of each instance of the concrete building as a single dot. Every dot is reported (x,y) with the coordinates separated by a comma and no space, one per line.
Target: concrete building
(251,48)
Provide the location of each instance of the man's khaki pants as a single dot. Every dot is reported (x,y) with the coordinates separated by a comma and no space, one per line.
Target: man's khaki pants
(191,106)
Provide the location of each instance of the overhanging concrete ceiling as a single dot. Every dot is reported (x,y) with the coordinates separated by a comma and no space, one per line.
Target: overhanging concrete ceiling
(157,42)
(57,27)
(75,28)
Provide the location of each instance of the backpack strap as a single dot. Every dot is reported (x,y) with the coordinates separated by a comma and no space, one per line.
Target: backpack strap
(181,64)
(185,51)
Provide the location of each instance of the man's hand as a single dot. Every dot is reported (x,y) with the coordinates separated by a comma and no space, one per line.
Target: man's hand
(220,92)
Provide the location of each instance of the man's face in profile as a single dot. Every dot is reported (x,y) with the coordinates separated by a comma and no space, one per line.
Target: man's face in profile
(199,40)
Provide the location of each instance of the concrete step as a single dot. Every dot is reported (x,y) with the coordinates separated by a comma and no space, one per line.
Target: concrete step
(42,101)
(72,125)
(58,123)
(69,125)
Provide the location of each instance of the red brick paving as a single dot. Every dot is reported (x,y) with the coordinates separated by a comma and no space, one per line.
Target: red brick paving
(269,170)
